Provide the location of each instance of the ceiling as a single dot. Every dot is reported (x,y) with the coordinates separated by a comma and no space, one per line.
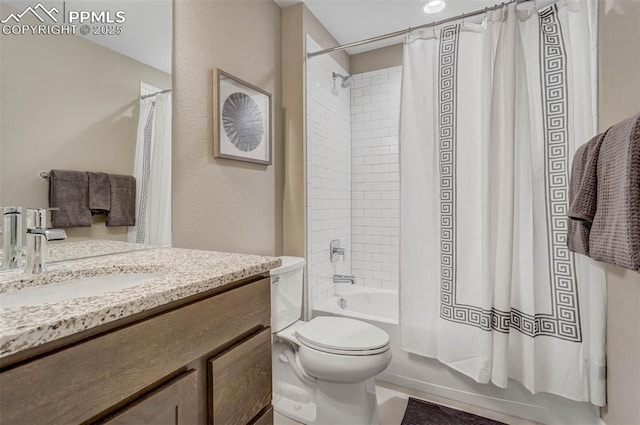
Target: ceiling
(353,20)
(147,31)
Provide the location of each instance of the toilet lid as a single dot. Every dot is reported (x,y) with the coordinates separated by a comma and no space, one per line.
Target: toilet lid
(340,333)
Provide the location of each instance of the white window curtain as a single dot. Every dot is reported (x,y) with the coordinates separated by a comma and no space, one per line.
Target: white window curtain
(152,170)
(491,116)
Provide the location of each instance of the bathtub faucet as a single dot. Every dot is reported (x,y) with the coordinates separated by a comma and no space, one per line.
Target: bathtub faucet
(335,251)
(343,278)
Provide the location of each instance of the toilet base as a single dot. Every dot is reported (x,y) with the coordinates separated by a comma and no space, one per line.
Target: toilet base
(320,402)
(294,402)
(335,403)
(340,403)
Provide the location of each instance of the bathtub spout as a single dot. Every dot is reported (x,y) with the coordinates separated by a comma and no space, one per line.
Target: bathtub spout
(342,278)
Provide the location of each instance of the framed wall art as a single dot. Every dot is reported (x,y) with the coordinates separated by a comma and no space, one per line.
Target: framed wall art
(242,120)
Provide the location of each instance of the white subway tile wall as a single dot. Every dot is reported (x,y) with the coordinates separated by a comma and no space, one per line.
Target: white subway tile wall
(375,178)
(328,173)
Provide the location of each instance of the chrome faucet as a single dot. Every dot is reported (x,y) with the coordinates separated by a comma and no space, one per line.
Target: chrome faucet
(37,236)
(335,251)
(12,235)
(343,278)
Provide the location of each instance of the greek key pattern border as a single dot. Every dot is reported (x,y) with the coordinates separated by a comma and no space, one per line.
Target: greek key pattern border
(553,74)
(564,321)
(448,66)
(141,228)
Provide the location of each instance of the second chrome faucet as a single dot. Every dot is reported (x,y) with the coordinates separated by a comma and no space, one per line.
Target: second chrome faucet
(38,234)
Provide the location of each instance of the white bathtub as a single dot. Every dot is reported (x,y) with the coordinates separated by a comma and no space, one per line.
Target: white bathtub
(380,307)
(369,304)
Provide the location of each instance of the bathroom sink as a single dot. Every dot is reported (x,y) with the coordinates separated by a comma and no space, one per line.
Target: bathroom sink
(76,288)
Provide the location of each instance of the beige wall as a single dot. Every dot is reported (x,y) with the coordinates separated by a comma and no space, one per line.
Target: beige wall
(221,204)
(66,103)
(297,21)
(293,76)
(619,97)
(384,57)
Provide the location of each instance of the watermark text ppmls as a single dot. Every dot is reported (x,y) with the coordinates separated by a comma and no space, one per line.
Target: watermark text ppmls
(58,19)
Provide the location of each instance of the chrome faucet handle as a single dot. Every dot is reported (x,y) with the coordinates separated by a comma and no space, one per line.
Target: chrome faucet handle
(37,217)
(335,251)
(12,210)
(37,224)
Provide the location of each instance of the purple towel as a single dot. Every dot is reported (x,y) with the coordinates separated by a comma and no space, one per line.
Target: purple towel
(615,232)
(69,191)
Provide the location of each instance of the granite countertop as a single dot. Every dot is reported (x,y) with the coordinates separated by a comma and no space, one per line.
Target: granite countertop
(184,272)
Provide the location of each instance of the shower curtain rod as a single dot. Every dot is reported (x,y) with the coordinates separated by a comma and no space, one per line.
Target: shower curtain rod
(153,94)
(408,30)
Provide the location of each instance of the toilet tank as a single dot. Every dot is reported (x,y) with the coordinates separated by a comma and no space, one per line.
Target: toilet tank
(286,293)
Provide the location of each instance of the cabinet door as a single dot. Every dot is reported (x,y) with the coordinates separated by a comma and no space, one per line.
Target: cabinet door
(175,403)
(240,381)
(265,419)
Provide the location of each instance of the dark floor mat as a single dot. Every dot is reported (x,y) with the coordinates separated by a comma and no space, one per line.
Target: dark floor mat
(421,412)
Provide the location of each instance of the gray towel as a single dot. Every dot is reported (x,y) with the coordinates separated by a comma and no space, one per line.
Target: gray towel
(99,193)
(584,180)
(615,232)
(583,187)
(69,191)
(123,201)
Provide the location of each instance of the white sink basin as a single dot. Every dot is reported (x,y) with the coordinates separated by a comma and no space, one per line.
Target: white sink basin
(77,288)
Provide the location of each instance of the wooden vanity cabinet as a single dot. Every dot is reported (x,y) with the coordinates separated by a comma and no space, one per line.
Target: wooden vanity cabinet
(201,361)
(175,403)
(240,381)
(266,418)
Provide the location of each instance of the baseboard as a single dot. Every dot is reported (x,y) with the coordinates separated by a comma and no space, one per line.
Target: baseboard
(550,411)
(526,411)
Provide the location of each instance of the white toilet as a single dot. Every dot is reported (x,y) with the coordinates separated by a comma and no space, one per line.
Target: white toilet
(322,369)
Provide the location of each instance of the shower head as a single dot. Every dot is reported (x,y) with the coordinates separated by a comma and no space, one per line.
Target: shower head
(346,80)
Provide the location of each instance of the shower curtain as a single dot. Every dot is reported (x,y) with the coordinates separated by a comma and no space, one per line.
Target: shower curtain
(491,116)
(152,170)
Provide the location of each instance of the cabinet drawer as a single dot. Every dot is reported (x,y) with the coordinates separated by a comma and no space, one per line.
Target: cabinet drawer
(175,403)
(240,381)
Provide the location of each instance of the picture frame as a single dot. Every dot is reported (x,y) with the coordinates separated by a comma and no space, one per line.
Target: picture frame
(242,120)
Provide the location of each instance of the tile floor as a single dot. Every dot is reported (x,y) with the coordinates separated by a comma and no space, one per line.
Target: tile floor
(392,401)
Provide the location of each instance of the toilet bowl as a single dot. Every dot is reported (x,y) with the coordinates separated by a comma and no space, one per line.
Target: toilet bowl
(338,349)
(322,369)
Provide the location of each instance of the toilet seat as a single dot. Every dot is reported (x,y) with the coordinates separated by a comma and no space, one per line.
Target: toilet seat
(344,352)
(343,336)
